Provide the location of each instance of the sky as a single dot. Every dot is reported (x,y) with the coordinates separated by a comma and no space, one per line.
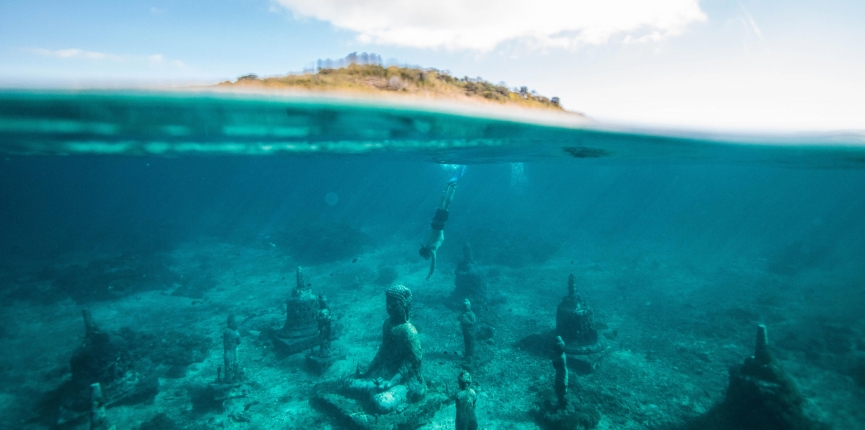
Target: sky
(749,65)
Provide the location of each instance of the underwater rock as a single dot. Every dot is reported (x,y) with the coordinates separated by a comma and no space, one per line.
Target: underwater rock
(469,282)
(106,279)
(160,421)
(326,355)
(387,275)
(317,241)
(391,392)
(575,325)
(760,396)
(300,331)
(466,401)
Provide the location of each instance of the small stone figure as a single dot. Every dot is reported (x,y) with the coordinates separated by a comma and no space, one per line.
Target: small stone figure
(326,355)
(466,400)
(98,418)
(324,326)
(760,396)
(565,414)
(394,376)
(300,332)
(469,282)
(230,342)
(560,363)
(467,323)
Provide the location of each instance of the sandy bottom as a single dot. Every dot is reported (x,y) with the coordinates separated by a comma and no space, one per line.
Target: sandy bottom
(675,329)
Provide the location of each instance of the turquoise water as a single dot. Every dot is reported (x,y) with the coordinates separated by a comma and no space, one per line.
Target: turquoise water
(164,212)
(184,123)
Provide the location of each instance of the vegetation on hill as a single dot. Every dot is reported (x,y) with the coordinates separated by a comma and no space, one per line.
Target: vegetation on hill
(374,78)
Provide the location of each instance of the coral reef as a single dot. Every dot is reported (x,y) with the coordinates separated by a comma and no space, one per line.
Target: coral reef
(387,275)
(108,278)
(321,241)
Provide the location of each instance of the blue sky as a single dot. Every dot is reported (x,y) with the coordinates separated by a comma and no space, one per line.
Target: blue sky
(719,64)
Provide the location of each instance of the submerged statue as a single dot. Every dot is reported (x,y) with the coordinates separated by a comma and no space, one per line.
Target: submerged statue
(393,377)
(575,325)
(565,414)
(300,331)
(391,392)
(466,399)
(760,396)
(230,342)
(326,355)
(469,282)
(105,360)
(98,418)
(560,363)
(467,324)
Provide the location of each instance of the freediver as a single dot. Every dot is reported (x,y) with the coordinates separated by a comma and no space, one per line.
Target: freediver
(437,236)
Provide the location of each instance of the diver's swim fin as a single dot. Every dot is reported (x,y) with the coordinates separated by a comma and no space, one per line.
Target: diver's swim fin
(461,170)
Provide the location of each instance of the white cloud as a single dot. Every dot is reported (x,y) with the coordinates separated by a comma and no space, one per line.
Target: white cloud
(481,25)
(155,60)
(75,53)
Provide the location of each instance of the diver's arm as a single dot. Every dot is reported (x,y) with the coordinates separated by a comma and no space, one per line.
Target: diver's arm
(432,264)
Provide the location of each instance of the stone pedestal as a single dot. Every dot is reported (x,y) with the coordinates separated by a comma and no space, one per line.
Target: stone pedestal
(575,325)
(359,414)
(300,331)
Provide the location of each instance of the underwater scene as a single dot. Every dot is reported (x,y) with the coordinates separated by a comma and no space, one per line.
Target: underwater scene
(207,260)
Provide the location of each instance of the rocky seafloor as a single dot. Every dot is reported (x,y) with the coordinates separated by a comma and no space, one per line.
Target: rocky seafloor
(672,328)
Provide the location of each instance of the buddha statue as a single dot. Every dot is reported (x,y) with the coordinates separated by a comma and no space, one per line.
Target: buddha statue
(393,377)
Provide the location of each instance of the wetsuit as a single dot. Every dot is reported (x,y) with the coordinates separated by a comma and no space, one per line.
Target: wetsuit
(439,219)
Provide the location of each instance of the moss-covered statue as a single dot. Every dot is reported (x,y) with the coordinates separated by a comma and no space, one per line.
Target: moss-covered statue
(760,396)
(393,377)
(390,392)
(466,400)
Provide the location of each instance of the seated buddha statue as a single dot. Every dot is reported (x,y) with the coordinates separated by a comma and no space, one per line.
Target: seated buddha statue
(393,378)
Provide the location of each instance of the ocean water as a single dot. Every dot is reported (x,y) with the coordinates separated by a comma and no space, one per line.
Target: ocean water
(163,213)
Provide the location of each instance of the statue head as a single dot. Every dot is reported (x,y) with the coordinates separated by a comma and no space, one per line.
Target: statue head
(560,345)
(398,303)
(322,302)
(467,252)
(465,380)
(467,305)
(299,283)
(232,322)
